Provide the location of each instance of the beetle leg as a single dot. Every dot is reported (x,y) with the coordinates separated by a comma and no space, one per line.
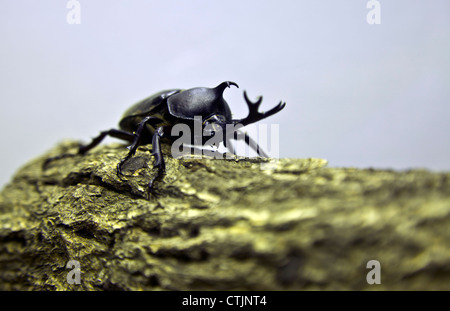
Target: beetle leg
(254,115)
(156,146)
(140,128)
(249,141)
(229,145)
(156,151)
(136,137)
(239,135)
(82,149)
(112,132)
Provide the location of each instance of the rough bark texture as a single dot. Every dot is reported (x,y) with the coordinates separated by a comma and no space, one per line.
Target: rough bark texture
(221,225)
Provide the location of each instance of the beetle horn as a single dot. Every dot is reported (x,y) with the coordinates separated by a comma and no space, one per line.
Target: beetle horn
(222,86)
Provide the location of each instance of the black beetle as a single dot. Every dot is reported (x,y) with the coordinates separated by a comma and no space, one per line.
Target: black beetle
(152,119)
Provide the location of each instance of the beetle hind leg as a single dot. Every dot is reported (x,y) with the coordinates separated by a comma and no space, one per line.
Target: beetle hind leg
(82,149)
(97,140)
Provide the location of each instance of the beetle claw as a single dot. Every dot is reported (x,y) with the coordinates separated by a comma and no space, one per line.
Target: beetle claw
(119,170)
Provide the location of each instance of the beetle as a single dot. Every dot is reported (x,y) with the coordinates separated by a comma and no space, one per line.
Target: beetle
(151,120)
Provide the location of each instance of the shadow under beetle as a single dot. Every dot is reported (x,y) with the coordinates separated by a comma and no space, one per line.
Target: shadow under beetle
(152,119)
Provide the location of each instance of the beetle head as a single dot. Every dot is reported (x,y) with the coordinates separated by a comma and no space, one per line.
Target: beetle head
(212,125)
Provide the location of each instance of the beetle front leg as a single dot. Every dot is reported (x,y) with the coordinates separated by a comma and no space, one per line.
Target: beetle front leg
(157,153)
(136,140)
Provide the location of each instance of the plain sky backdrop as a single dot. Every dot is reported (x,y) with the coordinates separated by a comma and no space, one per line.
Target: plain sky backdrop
(357,94)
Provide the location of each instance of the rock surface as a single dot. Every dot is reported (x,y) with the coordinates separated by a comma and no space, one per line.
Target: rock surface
(237,224)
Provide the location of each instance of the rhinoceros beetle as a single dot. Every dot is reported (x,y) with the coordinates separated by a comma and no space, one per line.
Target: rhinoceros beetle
(152,119)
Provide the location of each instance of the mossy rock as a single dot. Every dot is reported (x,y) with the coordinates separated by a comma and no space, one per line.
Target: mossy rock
(231,224)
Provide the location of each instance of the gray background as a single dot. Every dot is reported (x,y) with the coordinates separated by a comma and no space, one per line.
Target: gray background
(357,94)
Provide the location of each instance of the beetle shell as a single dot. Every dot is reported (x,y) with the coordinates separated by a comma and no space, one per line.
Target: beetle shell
(154,105)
